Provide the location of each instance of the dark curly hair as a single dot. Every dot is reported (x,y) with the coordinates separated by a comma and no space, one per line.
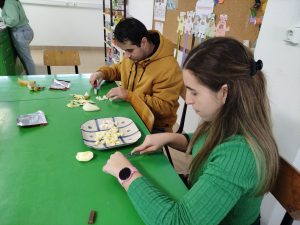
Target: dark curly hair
(130,29)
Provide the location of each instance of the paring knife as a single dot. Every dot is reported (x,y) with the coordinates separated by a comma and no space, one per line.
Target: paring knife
(96,87)
(130,154)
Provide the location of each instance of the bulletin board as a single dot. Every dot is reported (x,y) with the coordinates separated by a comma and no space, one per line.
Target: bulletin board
(238,12)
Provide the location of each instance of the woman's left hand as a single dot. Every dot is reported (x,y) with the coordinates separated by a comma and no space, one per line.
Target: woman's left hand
(115,163)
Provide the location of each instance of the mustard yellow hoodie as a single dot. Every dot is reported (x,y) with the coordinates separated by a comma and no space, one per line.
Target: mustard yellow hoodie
(157,80)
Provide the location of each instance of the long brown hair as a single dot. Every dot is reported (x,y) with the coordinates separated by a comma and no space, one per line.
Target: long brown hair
(220,61)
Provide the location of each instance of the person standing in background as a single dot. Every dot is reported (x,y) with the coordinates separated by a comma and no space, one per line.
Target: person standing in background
(13,15)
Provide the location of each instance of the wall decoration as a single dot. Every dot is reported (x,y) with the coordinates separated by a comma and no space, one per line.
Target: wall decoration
(196,26)
(159,26)
(237,11)
(180,28)
(172,4)
(188,23)
(221,27)
(160,10)
(188,27)
(202,28)
(211,27)
(204,7)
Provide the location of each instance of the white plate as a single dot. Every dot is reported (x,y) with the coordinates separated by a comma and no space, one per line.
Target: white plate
(130,132)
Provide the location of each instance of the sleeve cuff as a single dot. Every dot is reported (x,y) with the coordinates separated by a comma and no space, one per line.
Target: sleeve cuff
(135,184)
(129,96)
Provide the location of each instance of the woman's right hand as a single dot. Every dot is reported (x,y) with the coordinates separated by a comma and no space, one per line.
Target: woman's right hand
(151,143)
(97,76)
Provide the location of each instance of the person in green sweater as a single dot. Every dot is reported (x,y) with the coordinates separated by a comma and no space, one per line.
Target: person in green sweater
(13,16)
(235,156)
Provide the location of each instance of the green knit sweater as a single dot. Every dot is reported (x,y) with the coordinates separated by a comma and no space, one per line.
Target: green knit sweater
(221,195)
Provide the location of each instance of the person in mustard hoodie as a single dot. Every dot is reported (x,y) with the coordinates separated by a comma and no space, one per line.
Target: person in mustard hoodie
(148,70)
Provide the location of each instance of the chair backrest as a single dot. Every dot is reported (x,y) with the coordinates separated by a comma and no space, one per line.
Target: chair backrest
(143,111)
(181,125)
(287,191)
(55,57)
(183,114)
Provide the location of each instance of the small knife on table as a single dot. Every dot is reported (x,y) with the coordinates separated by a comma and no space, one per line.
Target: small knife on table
(97,86)
(130,154)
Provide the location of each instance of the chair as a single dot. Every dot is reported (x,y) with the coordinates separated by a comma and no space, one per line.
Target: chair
(287,191)
(183,114)
(143,111)
(54,57)
(181,125)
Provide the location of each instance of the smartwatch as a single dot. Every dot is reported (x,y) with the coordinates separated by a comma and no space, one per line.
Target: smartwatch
(125,174)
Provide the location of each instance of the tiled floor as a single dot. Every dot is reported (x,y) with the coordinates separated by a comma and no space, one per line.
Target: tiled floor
(91,59)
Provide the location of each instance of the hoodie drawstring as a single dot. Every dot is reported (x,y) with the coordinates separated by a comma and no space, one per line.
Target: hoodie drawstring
(129,76)
(133,81)
(144,68)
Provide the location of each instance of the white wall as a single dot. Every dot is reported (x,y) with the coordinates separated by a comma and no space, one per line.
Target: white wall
(59,25)
(65,26)
(192,119)
(142,10)
(281,65)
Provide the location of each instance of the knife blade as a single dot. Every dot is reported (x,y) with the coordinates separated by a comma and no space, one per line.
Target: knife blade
(130,154)
(96,87)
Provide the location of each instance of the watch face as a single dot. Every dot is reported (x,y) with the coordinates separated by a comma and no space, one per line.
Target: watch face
(124,173)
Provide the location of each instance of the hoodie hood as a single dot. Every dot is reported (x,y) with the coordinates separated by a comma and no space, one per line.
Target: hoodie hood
(165,49)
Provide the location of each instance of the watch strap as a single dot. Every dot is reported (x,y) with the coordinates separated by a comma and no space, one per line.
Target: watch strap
(132,171)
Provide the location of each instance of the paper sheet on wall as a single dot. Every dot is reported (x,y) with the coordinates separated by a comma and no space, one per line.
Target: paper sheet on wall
(172,4)
(159,26)
(204,7)
(160,7)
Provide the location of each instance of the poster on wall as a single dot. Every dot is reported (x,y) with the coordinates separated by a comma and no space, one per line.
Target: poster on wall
(204,7)
(159,26)
(160,7)
(172,4)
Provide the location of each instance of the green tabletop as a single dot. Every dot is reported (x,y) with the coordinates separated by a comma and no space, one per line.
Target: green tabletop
(41,182)
(10,90)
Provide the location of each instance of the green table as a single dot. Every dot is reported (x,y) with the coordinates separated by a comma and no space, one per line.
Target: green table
(41,182)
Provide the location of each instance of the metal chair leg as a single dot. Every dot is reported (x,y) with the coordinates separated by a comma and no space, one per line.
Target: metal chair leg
(48,70)
(287,219)
(76,69)
(182,119)
(168,154)
(179,131)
